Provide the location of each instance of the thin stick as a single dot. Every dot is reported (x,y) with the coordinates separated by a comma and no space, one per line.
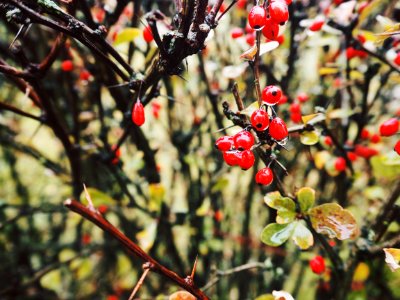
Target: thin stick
(147,268)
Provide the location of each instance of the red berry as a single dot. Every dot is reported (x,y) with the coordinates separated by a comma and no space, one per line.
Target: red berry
(257,17)
(295,108)
(364,134)
(248,28)
(340,164)
(224,143)
(365,152)
(328,140)
(147,34)
(86,238)
(264,176)
(218,216)
(138,113)
(250,39)
(102,208)
(271,29)
(260,120)
(284,99)
(112,297)
(375,138)
(351,156)
(67,65)
(295,117)
(84,75)
(236,32)
(350,53)
(302,97)
(232,158)
(241,4)
(361,38)
(278,11)
(389,127)
(280,39)
(117,154)
(397,147)
(271,95)
(243,140)
(278,129)
(247,159)
(155,109)
(397,59)
(317,264)
(316,25)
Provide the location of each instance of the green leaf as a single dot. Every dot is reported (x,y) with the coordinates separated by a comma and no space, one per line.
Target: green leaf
(392,258)
(309,138)
(127,35)
(302,236)
(276,201)
(276,234)
(331,219)
(52,281)
(265,297)
(97,196)
(383,168)
(306,198)
(285,216)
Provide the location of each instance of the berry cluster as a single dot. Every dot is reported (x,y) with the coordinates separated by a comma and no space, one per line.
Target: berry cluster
(269,16)
(237,149)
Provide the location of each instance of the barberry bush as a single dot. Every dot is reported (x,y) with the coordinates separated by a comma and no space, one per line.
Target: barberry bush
(199,149)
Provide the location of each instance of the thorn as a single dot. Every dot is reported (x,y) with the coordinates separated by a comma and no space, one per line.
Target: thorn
(89,199)
(194,268)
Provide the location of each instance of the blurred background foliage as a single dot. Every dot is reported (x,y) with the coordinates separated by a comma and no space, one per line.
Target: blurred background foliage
(169,190)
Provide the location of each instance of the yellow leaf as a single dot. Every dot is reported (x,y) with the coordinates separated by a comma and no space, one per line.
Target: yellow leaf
(392,258)
(308,118)
(328,71)
(320,158)
(309,138)
(361,273)
(127,35)
(249,54)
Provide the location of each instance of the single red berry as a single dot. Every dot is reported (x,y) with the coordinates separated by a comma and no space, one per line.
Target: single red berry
(302,97)
(316,25)
(365,152)
(295,108)
(249,29)
(361,38)
(264,176)
(117,154)
(260,120)
(271,29)
(337,2)
(237,32)
(250,39)
(257,17)
(243,140)
(351,53)
(271,95)
(317,264)
(247,159)
(364,134)
(295,117)
(280,39)
(224,143)
(102,208)
(284,99)
(278,129)
(241,4)
(84,75)
(232,158)
(397,59)
(397,147)
(278,10)
(375,138)
(86,238)
(147,34)
(112,297)
(218,216)
(67,65)
(389,127)
(155,109)
(340,164)
(138,113)
(328,141)
(351,156)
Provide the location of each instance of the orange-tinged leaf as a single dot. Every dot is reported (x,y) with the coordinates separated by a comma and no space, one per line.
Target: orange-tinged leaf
(320,159)
(331,219)
(249,54)
(392,258)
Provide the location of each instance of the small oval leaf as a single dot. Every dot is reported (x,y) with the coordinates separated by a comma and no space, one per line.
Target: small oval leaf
(306,198)
(127,35)
(309,138)
(302,236)
(276,234)
(392,258)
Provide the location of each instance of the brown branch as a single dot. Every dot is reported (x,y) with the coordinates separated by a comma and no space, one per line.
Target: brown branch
(5,106)
(98,219)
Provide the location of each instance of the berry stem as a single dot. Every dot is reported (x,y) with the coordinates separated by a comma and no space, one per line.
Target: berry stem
(256,69)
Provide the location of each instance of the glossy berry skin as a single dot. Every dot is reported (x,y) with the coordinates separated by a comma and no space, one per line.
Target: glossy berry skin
(375,138)
(147,34)
(316,25)
(389,127)
(295,117)
(243,140)
(397,147)
(264,176)
(271,30)
(364,134)
(224,143)
(257,17)
(317,265)
(271,95)
(85,75)
(279,12)
(67,65)
(247,159)
(397,59)
(328,141)
(232,158)
(278,129)
(295,108)
(259,120)
(138,113)
(237,32)
(340,164)
(351,156)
